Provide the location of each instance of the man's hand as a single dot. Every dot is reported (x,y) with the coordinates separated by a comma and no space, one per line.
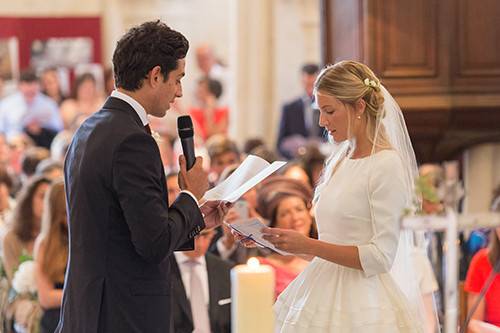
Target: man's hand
(214,212)
(228,238)
(195,180)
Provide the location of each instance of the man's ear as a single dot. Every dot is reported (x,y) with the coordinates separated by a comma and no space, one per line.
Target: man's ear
(154,76)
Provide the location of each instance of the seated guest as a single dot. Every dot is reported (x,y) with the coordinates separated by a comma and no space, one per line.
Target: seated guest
(30,160)
(51,255)
(6,202)
(30,112)
(209,118)
(483,262)
(223,152)
(85,100)
(25,224)
(312,160)
(50,169)
(286,204)
(295,170)
(51,86)
(201,289)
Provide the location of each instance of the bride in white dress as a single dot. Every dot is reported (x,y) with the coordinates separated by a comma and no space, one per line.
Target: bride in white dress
(359,279)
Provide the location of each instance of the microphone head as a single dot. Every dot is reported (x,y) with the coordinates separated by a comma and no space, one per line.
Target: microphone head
(185,127)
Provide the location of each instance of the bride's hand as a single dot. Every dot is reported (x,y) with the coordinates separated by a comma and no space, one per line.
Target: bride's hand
(287,240)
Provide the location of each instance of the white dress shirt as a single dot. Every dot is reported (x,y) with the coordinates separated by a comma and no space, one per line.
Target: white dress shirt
(201,269)
(141,112)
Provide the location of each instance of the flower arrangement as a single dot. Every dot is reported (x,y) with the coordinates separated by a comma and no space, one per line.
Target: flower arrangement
(24,279)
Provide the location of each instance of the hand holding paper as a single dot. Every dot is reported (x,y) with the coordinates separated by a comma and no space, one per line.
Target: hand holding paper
(214,212)
(252,230)
(252,171)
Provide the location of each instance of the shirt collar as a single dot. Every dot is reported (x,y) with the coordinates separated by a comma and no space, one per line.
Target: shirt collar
(138,108)
(182,259)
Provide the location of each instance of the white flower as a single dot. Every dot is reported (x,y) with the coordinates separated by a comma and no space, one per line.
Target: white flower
(24,278)
(370,83)
(157,137)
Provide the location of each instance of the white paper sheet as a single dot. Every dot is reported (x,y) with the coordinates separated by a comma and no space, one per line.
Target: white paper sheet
(251,228)
(252,171)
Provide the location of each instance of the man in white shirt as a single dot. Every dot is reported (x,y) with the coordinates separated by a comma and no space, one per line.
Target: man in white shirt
(201,290)
(31,112)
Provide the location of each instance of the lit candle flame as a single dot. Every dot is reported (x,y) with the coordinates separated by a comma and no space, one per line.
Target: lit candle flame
(253,263)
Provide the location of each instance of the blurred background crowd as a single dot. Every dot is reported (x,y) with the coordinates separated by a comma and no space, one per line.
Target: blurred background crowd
(239,107)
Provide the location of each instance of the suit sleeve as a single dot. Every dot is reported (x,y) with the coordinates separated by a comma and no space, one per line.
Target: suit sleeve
(156,230)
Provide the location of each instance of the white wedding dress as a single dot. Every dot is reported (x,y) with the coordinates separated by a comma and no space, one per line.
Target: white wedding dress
(360,206)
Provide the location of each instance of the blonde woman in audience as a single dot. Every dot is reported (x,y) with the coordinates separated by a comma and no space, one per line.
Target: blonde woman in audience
(25,224)
(85,100)
(51,255)
(486,317)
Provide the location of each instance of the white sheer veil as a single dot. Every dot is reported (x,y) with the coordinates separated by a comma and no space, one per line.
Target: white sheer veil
(390,130)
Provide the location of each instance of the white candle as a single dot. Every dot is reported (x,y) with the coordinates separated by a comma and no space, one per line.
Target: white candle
(252,293)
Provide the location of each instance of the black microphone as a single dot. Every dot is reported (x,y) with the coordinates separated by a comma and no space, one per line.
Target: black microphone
(185,129)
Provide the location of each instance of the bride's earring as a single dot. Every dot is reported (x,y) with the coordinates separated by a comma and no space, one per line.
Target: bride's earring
(358,117)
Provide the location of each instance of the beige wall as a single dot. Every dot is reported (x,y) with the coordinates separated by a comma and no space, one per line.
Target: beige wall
(482,176)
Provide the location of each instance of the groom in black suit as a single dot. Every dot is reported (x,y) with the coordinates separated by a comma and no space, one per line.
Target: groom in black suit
(122,231)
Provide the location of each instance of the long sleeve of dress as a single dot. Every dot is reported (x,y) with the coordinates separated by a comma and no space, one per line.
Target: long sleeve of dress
(387,198)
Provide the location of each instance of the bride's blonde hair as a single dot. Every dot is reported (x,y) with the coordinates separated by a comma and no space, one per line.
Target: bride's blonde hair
(349,82)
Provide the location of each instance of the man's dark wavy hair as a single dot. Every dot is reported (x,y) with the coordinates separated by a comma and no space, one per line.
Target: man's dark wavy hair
(144,47)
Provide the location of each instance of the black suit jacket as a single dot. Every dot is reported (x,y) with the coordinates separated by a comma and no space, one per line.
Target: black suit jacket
(121,229)
(293,122)
(219,286)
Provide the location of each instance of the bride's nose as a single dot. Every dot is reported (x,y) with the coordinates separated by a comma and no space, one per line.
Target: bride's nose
(322,120)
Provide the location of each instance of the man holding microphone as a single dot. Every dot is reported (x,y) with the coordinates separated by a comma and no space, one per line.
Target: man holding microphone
(121,228)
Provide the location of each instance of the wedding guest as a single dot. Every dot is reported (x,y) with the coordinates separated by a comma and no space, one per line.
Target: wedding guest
(286,203)
(50,169)
(211,67)
(51,255)
(30,159)
(312,160)
(480,269)
(299,117)
(26,224)
(31,112)
(223,152)
(296,170)
(201,289)
(51,86)
(208,117)
(7,203)
(109,81)
(85,100)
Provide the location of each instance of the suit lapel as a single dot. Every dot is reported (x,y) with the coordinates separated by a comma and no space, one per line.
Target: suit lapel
(213,291)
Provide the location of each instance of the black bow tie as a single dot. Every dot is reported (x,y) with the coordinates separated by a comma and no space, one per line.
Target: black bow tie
(147,129)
